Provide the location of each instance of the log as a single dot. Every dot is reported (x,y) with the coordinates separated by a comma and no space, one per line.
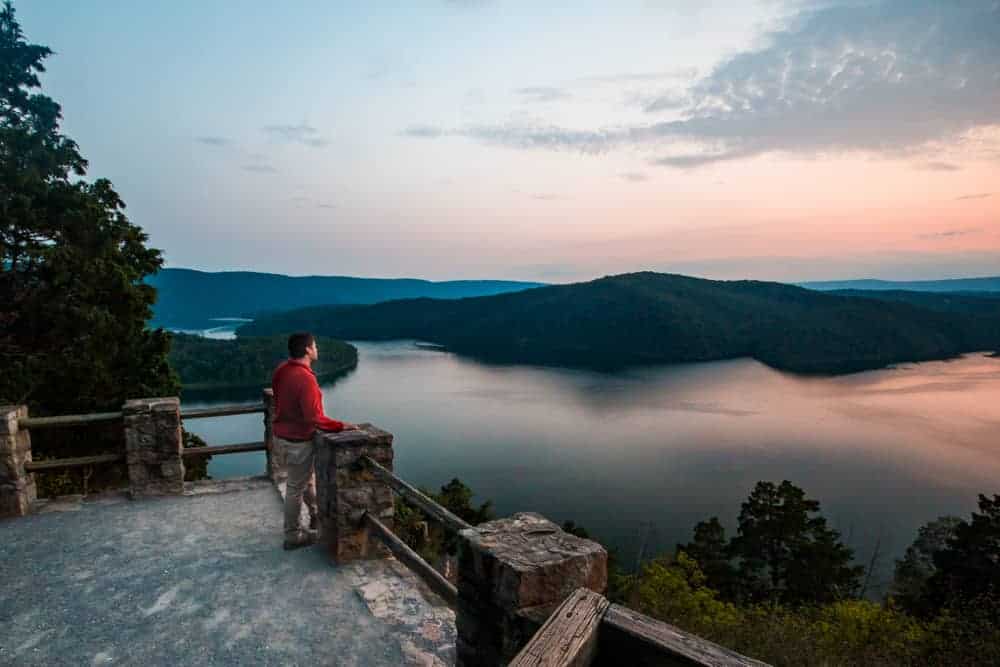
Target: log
(428,506)
(569,636)
(225,449)
(637,639)
(55,464)
(412,559)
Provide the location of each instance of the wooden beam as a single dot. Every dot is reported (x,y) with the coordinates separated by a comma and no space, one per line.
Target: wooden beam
(569,636)
(54,464)
(225,449)
(68,420)
(222,411)
(429,507)
(647,641)
(412,559)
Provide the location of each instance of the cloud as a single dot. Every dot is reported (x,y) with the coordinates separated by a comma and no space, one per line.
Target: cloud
(297,134)
(543,94)
(325,205)
(950,233)
(890,77)
(260,168)
(547,196)
(423,131)
(981,195)
(633,177)
(938,166)
(214,141)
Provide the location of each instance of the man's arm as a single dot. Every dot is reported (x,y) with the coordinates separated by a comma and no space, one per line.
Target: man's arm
(312,409)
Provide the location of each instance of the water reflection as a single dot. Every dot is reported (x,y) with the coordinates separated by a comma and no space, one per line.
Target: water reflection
(884,451)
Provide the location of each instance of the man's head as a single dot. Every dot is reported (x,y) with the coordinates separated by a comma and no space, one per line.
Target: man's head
(302,346)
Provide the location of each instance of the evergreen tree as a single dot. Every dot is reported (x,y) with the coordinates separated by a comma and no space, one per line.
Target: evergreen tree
(968,568)
(73,307)
(788,555)
(711,551)
(917,565)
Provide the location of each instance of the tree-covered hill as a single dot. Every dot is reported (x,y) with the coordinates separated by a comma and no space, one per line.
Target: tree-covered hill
(188,298)
(206,363)
(643,318)
(985,284)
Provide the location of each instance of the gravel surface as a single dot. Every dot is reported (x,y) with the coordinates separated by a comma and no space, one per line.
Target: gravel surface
(194,580)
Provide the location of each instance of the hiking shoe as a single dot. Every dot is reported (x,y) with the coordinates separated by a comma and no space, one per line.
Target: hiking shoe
(304,539)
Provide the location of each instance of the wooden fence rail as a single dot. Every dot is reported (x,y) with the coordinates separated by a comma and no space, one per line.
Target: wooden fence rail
(410,493)
(99,417)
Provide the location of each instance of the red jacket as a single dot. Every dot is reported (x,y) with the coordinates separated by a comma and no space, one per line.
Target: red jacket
(298,403)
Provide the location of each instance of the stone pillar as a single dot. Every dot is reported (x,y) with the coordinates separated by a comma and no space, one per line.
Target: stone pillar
(346,489)
(275,455)
(17,486)
(513,573)
(154,446)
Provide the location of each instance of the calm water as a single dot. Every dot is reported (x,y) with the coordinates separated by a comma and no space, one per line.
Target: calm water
(639,457)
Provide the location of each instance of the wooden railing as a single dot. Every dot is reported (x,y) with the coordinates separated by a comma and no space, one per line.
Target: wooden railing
(586,629)
(64,421)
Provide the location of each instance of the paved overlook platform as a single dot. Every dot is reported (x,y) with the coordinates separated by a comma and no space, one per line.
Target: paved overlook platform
(202,579)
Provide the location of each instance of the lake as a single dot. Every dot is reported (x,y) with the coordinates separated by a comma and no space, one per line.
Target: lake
(638,457)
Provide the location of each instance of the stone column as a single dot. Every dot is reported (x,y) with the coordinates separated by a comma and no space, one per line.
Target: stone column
(275,455)
(513,573)
(154,446)
(17,486)
(346,489)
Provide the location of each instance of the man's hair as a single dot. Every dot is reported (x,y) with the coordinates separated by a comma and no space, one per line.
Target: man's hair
(298,342)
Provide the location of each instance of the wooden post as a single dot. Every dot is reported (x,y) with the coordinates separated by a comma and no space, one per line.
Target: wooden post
(154,446)
(346,489)
(569,637)
(275,460)
(17,485)
(512,573)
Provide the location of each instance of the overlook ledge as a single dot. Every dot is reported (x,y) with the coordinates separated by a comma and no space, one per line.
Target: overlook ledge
(201,579)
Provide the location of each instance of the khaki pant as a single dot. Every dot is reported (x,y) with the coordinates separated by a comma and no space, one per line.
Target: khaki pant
(301,483)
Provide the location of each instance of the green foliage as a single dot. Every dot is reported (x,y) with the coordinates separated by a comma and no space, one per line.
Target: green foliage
(456,497)
(195,467)
(968,568)
(711,551)
(647,318)
(205,363)
(428,538)
(787,555)
(675,592)
(73,305)
(912,573)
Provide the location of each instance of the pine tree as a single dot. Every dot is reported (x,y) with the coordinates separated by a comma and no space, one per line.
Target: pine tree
(73,306)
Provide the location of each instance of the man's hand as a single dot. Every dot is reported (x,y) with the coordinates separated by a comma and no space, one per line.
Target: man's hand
(348,426)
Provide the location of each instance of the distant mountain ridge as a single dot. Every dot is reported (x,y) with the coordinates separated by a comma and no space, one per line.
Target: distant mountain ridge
(189,298)
(986,284)
(645,318)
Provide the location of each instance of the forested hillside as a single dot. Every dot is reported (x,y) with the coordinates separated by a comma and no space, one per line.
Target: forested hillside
(645,318)
(187,298)
(206,363)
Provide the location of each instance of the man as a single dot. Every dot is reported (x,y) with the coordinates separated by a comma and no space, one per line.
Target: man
(298,414)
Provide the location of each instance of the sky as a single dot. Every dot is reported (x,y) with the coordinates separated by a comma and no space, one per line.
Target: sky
(558,141)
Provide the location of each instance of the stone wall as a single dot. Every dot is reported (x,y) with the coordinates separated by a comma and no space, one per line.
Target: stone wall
(17,486)
(346,489)
(512,573)
(154,446)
